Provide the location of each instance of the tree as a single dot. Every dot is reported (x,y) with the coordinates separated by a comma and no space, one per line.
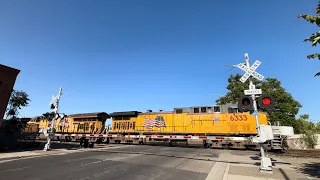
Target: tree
(318,127)
(308,130)
(286,107)
(18,99)
(303,124)
(314,38)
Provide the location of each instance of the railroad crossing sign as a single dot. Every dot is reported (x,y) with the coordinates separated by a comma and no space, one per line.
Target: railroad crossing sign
(252,90)
(250,71)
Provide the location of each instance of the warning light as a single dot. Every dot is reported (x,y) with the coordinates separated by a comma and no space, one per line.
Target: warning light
(266,102)
(245,104)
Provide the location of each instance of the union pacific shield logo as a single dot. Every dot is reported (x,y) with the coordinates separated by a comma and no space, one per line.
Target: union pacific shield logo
(157,122)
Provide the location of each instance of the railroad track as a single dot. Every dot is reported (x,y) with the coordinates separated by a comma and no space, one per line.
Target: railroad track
(310,153)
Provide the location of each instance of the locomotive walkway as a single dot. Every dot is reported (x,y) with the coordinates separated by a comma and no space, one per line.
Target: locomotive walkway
(144,163)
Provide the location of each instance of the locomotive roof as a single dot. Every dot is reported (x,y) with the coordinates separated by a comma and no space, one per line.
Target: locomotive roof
(124,113)
(103,114)
(221,108)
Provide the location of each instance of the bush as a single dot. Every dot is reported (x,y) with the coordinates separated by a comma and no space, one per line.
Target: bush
(308,130)
(309,139)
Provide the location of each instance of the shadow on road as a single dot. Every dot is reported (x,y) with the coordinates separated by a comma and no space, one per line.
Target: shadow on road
(311,169)
(284,174)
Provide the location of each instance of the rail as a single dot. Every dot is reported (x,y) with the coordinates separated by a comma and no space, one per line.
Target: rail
(306,153)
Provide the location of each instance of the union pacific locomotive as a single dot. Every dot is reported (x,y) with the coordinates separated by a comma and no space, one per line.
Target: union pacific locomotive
(201,120)
(212,126)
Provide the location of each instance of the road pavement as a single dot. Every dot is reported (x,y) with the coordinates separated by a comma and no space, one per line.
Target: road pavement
(123,162)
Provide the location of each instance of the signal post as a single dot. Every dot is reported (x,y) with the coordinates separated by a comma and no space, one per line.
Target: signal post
(248,103)
(54,115)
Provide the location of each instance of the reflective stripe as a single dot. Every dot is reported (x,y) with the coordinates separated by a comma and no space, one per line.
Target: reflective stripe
(159,136)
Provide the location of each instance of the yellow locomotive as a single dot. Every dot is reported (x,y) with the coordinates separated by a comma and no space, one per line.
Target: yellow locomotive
(201,120)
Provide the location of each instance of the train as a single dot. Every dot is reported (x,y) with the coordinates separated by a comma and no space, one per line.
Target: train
(217,126)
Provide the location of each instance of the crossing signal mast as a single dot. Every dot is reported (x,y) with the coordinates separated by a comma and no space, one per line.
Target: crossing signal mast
(248,102)
(54,115)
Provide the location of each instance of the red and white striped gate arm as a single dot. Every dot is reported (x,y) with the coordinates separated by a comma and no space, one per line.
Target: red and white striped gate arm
(193,137)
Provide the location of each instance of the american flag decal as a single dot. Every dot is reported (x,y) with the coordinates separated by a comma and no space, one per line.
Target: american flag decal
(157,122)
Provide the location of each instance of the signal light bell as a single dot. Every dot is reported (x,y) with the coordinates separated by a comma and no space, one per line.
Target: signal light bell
(52,106)
(245,104)
(266,102)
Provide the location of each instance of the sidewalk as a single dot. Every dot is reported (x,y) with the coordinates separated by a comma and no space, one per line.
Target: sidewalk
(244,167)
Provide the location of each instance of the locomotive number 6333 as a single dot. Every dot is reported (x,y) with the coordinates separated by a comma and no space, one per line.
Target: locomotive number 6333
(238,118)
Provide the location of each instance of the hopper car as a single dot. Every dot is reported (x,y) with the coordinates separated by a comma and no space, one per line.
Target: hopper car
(220,126)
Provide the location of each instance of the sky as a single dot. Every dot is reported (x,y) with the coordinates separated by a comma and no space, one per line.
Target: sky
(136,55)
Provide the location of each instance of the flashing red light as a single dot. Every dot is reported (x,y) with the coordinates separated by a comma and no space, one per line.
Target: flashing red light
(266,101)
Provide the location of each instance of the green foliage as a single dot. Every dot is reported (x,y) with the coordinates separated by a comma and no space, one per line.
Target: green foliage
(311,19)
(303,124)
(309,131)
(318,127)
(18,99)
(314,38)
(286,107)
(309,139)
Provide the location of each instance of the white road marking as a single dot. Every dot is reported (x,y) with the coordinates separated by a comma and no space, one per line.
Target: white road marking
(95,162)
(16,169)
(226,172)
(218,169)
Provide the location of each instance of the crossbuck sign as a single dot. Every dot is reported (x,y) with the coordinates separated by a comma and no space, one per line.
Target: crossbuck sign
(250,71)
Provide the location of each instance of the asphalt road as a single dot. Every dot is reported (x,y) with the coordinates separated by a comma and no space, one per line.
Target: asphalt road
(124,162)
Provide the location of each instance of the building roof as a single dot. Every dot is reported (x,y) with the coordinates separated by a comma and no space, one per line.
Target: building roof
(7,68)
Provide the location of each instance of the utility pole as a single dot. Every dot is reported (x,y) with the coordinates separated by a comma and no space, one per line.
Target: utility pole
(250,72)
(54,106)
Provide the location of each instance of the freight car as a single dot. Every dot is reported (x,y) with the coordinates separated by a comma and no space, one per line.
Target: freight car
(211,126)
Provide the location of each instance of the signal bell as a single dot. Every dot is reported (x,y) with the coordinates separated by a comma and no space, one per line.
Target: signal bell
(52,106)
(245,104)
(266,102)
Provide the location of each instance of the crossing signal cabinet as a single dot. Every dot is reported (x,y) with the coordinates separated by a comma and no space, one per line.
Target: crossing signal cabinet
(265,102)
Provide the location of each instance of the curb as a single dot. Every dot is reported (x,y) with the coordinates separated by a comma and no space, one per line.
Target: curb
(3,160)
